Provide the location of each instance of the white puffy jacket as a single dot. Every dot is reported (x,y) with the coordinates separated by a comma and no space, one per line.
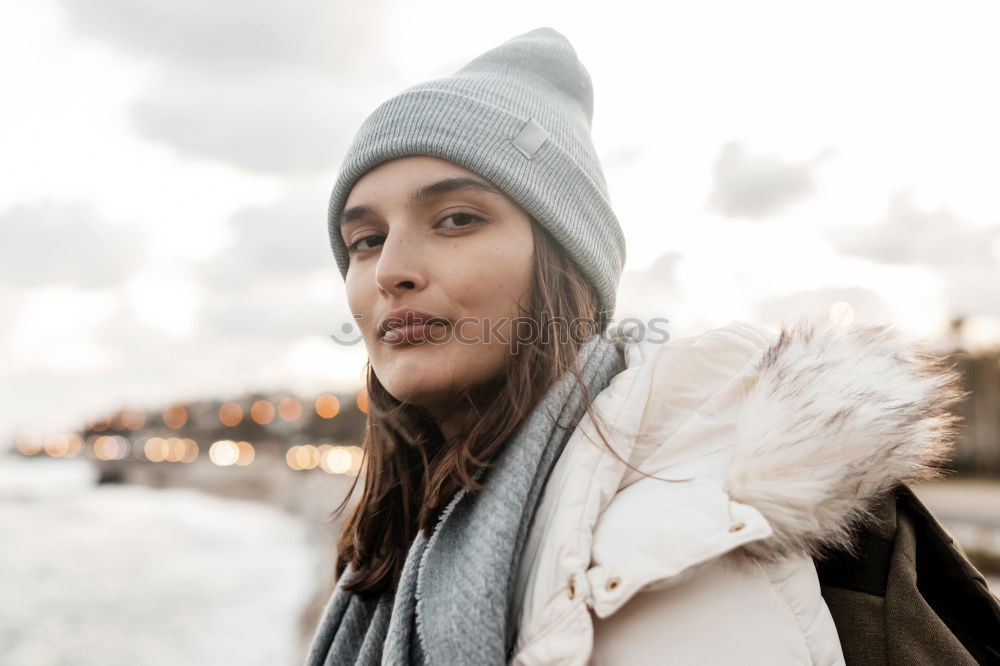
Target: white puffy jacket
(777,453)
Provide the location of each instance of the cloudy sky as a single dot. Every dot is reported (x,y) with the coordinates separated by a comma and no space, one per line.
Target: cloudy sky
(166,167)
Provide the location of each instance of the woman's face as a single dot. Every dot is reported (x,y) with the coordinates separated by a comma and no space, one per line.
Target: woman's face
(458,252)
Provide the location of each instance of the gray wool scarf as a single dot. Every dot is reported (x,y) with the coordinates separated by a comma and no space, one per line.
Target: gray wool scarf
(453,604)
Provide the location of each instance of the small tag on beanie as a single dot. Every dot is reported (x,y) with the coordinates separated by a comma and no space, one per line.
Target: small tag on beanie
(530,138)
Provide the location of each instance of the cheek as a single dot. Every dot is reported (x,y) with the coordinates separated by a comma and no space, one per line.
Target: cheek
(489,294)
(514,279)
(497,273)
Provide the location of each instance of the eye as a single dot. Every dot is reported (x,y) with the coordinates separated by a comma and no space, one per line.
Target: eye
(467,216)
(467,219)
(356,245)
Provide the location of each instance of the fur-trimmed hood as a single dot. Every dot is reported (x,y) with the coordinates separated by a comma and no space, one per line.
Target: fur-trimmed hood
(738,444)
(836,417)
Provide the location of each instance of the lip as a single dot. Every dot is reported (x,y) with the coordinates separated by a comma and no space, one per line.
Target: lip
(409,319)
(410,334)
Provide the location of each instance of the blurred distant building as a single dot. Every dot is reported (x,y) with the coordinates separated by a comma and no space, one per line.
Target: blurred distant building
(323,432)
(977,450)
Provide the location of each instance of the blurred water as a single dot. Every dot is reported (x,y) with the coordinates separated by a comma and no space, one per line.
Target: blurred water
(132,575)
(135,575)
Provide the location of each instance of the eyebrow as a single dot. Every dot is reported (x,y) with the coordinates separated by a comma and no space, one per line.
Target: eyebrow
(426,193)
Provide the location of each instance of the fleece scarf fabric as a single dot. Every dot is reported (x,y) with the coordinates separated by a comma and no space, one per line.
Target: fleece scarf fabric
(452,606)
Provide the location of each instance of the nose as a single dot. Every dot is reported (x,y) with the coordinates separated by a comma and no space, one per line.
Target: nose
(399,266)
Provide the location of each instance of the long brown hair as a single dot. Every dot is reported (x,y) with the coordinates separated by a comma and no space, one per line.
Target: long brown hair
(411,475)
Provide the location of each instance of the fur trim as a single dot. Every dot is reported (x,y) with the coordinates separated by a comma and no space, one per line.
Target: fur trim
(836,417)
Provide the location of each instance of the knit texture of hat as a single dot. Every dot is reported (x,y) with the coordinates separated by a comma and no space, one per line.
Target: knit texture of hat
(519,115)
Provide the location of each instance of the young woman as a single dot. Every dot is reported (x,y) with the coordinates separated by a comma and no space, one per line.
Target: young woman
(542,487)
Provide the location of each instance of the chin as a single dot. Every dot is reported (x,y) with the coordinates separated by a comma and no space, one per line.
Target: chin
(421,396)
(422,378)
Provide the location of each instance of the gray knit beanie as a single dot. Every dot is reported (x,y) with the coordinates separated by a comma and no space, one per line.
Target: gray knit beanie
(518,115)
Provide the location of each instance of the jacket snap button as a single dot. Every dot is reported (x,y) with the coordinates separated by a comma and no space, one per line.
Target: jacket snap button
(572,587)
(737,527)
(613,582)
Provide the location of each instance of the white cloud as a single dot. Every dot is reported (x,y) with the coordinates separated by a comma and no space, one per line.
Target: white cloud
(240,35)
(286,237)
(285,123)
(54,330)
(66,242)
(754,185)
(862,305)
(212,132)
(265,87)
(962,253)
